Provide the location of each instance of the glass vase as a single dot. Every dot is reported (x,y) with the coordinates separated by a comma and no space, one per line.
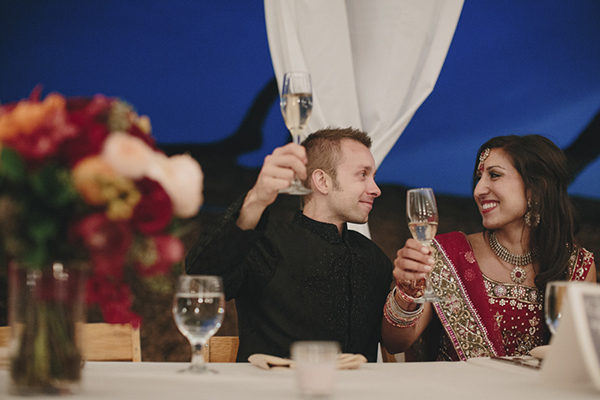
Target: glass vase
(46,314)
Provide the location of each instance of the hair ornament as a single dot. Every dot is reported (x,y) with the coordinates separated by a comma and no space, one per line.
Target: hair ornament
(482,157)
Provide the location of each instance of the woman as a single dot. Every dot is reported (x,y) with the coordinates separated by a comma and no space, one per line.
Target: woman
(494,280)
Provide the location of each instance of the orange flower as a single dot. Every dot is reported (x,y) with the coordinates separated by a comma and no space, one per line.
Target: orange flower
(27,116)
(99,184)
(88,176)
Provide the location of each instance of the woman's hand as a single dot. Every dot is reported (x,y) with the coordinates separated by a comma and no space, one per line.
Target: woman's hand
(413,262)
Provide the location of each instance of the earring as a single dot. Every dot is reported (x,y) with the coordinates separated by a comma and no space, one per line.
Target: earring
(531,219)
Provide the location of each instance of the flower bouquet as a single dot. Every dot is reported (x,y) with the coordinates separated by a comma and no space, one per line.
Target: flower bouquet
(85,196)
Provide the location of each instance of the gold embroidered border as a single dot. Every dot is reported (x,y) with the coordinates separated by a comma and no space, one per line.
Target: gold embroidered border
(458,315)
(500,290)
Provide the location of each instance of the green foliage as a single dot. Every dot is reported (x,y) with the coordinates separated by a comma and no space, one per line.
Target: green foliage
(12,166)
(47,200)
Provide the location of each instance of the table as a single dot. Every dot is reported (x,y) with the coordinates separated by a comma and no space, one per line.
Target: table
(482,378)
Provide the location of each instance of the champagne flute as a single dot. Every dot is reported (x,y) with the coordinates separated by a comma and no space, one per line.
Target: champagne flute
(198,308)
(296,107)
(554,303)
(422,215)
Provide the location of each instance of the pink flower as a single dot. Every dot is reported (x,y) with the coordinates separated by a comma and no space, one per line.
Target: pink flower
(128,155)
(163,252)
(182,178)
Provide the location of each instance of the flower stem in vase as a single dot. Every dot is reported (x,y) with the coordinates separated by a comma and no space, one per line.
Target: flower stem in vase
(47,358)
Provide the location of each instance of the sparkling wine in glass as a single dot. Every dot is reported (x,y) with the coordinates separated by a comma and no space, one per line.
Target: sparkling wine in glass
(198,308)
(296,107)
(554,303)
(422,215)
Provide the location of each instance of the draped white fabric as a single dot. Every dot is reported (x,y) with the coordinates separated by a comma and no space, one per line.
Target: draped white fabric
(372,62)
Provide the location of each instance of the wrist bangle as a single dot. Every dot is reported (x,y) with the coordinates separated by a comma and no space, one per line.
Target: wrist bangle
(405,296)
(399,317)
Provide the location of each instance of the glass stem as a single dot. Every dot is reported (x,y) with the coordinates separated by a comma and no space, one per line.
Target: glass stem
(198,356)
(428,286)
(296,135)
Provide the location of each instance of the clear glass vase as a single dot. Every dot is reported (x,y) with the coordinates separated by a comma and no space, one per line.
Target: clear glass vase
(46,313)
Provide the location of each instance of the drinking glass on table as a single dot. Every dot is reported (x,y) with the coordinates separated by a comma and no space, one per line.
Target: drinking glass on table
(422,215)
(198,308)
(316,363)
(554,303)
(296,107)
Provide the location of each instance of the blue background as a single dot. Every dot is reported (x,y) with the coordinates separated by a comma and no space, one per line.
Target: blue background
(196,66)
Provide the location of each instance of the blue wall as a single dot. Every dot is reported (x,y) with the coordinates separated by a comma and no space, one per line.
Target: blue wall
(195,68)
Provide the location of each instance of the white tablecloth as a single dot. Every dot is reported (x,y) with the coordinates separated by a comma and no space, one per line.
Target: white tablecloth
(459,380)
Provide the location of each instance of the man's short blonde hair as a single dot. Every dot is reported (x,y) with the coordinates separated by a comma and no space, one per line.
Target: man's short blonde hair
(324,150)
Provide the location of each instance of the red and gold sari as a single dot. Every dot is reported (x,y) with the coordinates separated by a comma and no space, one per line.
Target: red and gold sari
(483,317)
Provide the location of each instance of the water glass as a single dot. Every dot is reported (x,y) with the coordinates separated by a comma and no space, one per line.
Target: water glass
(316,363)
(554,303)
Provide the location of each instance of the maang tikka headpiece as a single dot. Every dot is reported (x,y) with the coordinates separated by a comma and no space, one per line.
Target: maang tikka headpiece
(482,157)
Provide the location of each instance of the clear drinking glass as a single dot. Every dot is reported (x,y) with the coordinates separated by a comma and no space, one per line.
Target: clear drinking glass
(422,215)
(554,302)
(296,107)
(198,308)
(316,363)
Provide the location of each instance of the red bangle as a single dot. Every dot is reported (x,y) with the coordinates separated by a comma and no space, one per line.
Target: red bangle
(400,289)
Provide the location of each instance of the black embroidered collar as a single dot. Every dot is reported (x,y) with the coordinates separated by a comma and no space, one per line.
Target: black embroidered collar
(327,231)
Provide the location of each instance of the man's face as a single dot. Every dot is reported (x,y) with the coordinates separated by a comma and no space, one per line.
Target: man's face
(352,195)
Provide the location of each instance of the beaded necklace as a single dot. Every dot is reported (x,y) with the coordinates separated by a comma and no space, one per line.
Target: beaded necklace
(517,274)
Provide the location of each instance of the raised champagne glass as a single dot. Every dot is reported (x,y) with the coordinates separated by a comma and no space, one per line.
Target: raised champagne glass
(422,215)
(296,107)
(198,308)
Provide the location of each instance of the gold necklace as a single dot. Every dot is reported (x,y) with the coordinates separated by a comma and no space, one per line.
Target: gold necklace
(517,274)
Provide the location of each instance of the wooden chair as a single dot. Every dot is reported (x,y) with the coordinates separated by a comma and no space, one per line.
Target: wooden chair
(111,342)
(4,336)
(385,356)
(102,342)
(221,349)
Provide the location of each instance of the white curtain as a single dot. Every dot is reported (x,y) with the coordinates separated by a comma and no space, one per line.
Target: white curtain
(372,62)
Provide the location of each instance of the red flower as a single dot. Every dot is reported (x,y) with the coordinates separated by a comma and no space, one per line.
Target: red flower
(106,240)
(114,300)
(90,116)
(154,211)
(36,129)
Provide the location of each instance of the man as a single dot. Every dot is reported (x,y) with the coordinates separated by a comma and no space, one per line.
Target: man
(311,278)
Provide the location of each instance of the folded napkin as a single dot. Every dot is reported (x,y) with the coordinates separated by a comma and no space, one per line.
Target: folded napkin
(264,361)
(350,361)
(539,352)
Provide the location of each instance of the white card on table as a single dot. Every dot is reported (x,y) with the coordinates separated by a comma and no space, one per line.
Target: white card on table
(574,354)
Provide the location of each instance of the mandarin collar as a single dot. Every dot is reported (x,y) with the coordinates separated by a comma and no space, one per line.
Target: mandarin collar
(327,231)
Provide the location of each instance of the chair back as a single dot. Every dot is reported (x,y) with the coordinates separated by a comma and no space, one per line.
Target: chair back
(385,356)
(4,336)
(221,349)
(111,342)
(101,342)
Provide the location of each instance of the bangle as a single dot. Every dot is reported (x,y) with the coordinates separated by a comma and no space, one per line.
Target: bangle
(415,289)
(399,317)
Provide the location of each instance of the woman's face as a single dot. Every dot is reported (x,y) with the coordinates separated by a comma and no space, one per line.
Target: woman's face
(500,193)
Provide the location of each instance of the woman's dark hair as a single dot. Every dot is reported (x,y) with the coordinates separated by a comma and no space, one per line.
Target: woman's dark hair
(544,170)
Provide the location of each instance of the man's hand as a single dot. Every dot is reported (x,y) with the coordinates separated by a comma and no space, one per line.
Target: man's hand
(277,173)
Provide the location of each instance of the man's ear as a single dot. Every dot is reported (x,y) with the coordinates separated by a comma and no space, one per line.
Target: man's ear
(321,181)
